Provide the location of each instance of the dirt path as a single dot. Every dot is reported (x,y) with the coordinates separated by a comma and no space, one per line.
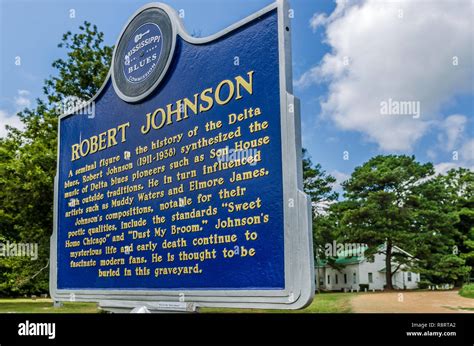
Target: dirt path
(406,301)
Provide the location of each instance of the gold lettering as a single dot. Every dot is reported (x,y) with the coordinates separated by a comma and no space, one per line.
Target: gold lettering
(246,85)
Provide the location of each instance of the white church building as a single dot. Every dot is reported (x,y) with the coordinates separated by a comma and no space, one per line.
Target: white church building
(359,270)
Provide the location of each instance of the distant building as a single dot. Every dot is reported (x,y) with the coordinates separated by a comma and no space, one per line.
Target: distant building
(359,270)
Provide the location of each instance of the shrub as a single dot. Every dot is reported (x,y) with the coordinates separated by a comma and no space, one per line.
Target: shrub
(467,291)
(423,284)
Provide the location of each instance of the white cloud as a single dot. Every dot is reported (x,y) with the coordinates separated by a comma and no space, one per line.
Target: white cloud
(431,154)
(318,19)
(444,167)
(402,51)
(467,152)
(453,128)
(340,178)
(8,119)
(464,158)
(20,101)
(321,19)
(454,138)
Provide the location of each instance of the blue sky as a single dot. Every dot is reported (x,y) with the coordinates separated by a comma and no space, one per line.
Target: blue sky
(349,59)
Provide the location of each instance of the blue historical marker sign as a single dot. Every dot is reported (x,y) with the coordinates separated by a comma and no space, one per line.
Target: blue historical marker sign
(184,185)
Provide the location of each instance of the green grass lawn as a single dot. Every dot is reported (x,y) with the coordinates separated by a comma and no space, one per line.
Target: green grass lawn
(25,305)
(322,303)
(467,291)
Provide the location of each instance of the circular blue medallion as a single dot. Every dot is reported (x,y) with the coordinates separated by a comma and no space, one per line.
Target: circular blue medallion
(143,53)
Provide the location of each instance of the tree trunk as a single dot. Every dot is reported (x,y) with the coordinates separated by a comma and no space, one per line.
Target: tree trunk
(388,265)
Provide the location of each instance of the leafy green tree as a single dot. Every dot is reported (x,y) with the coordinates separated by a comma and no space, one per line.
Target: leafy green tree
(28,159)
(447,220)
(460,185)
(381,207)
(397,201)
(84,70)
(317,183)
(319,186)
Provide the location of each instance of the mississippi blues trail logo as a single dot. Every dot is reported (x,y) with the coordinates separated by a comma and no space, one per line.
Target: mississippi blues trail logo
(143,53)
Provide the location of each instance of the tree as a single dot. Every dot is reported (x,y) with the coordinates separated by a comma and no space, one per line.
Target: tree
(381,207)
(460,185)
(84,70)
(28,158)
(447,221)
(317,183)
(319,186)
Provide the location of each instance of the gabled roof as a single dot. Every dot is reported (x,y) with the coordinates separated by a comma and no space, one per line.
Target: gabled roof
(341,261)
(346,258)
